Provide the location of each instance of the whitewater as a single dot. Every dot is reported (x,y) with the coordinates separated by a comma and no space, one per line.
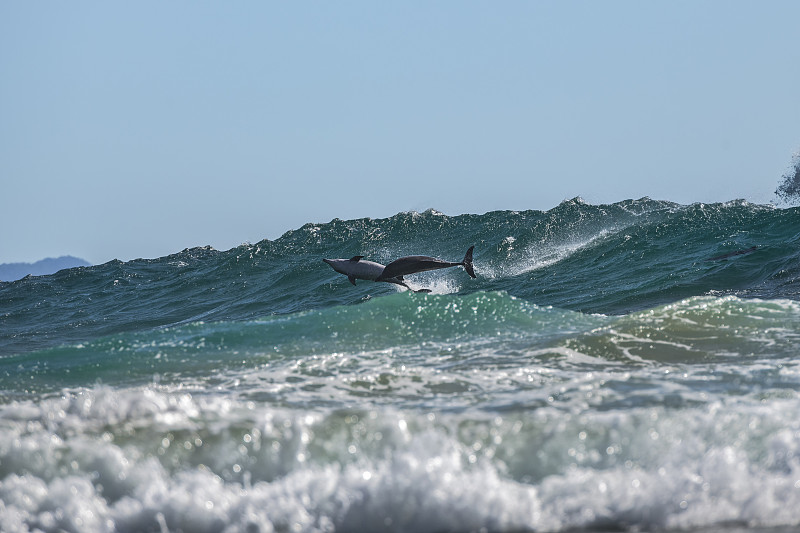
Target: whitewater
(607,370)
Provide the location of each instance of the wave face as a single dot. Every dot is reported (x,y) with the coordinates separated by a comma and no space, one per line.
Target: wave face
(607,370)
(610,259)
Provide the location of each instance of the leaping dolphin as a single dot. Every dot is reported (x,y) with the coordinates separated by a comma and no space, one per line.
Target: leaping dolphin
(356,268)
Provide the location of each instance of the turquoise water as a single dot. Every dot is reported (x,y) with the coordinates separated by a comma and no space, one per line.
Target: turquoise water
(600,373)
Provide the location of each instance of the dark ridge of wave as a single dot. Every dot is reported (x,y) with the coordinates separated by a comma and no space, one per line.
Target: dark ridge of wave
(610,259)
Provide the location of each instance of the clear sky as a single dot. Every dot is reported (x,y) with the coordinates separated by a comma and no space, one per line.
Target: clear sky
(137,129)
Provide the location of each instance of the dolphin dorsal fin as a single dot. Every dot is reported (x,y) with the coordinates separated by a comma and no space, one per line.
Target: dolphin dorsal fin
(357,258)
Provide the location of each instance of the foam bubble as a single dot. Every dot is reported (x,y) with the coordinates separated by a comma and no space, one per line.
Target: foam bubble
(201,463)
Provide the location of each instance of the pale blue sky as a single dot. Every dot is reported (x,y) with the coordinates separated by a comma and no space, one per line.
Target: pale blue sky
(137,129)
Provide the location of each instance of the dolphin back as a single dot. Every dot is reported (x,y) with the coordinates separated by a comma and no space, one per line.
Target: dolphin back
(413,264)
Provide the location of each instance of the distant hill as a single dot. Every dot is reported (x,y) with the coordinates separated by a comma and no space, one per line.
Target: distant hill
(15,271)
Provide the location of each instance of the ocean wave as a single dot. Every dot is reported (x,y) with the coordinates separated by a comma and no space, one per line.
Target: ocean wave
(412,349)
(609,259)
(138,459)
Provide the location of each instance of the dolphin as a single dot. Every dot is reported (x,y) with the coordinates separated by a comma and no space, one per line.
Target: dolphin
(357,268)
(732,254)
(422,263)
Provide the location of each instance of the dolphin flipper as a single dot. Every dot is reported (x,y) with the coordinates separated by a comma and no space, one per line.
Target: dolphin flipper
(399,281)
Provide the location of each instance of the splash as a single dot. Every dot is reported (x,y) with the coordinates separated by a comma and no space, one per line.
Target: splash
(538,256)
(789,190)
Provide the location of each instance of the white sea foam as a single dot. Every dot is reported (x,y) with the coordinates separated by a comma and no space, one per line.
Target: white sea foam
(133,460)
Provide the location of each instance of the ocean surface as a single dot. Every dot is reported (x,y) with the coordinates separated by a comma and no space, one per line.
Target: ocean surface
(612,367)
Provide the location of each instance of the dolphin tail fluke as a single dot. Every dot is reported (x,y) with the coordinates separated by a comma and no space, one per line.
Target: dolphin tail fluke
(467,262)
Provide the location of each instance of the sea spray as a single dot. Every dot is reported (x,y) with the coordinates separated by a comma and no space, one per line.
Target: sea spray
(789,189)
